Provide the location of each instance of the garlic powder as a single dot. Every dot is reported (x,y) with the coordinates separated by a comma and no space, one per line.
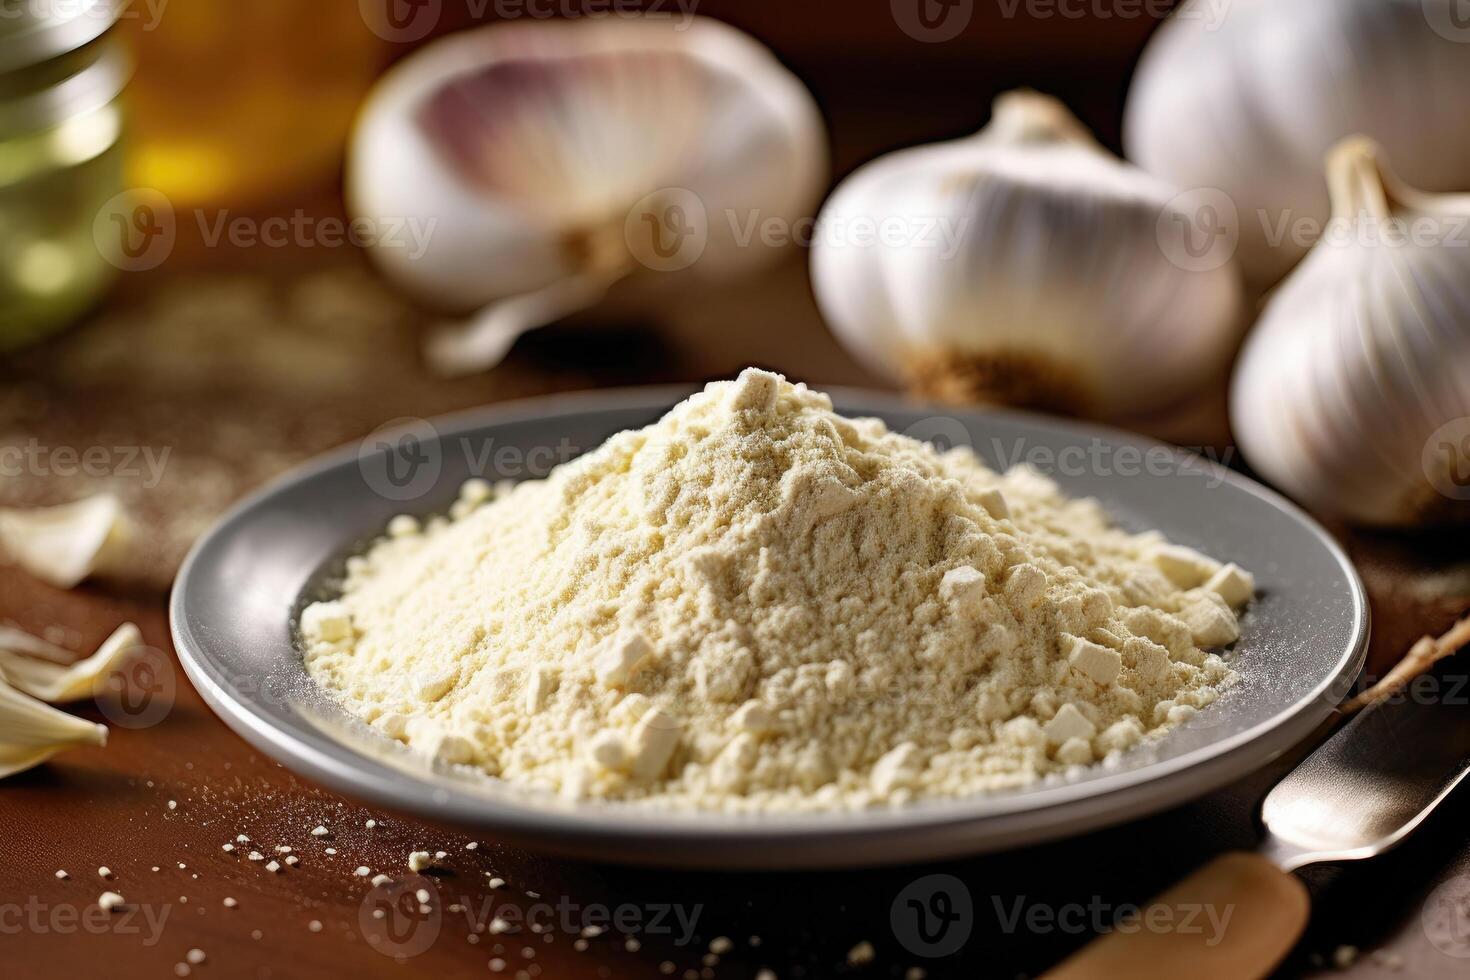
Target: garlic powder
(756,604)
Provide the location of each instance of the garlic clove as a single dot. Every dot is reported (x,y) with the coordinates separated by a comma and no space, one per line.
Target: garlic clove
(32,731)
(15,641)
(1349,395)
(56,684)
(65,544)
(533,152)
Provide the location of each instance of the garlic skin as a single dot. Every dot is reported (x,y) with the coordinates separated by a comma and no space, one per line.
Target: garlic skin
(32,731)
(556,158)
(1351,394)
(59,684)
(1249,98)
(1029,266)
(66,544)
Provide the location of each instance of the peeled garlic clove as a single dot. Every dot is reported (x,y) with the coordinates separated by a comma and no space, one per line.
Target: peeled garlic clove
(1024,265)
(1247,96)
(548,160)
(32,731)
(57,684)
(1351,393)
(64,545)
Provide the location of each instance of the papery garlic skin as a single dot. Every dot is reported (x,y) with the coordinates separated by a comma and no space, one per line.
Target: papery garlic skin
(1029,267)
(1352,394)
(1247,96)
(65,544)
(532,148)
(32,731)
(61,684)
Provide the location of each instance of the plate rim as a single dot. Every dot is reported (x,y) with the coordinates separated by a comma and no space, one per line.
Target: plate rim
(661,837)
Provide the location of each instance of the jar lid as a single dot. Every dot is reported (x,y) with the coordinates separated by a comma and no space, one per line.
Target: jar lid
(33,31)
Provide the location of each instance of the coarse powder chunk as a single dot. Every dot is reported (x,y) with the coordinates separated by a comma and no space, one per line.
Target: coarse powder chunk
(756,604)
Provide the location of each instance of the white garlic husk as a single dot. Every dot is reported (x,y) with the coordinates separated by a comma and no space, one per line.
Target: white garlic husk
(544,161)
(32,731)
(1025,265)
(63,683)
(1353,392)
(1246,97)
(65,544)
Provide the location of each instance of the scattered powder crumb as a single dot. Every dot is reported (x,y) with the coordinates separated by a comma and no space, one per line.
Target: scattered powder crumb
(62,874)
(765,974)
(380,880)
(242,839)
(580,945)
(182,969)
(497,965)
(495,883)
(274,866)
(183,866)
(104,872)
(915,973)
(721,945)
(173,804)
(419,860)
(230,903)
(632,945)
(227,847)
(331,851)
(315,925)
(292,859)
(739,607)
(861,955)
(370,824)
(256,934)
(194,956)
(499,926)
(363,871)
(283,849)
(319,831)
(472,846)
(108,901)
(1344,957)
(667,968)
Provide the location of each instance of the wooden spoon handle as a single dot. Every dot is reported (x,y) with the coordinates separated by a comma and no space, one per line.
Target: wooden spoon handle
(1233,919)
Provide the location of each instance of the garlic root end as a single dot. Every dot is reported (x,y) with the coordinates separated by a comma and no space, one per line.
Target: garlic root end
(1019,379)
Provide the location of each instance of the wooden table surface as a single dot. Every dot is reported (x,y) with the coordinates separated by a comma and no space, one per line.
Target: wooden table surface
(234,365)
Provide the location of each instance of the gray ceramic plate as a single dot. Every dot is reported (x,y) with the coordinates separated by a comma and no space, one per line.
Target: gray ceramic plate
(237,596)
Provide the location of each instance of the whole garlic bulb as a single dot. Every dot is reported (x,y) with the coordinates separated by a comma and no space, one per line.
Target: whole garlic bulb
(1024,265)
(554,158)
(1353,392)
(1247,97)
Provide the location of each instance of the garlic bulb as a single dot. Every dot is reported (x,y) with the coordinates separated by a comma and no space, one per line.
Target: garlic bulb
(32,731)
(1247,97)
(545,161)
(1024,265)
(60,684)
(64,545)
(1353,392)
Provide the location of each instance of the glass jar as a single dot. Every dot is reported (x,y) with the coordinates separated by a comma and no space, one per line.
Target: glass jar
(239,102)
(61,73)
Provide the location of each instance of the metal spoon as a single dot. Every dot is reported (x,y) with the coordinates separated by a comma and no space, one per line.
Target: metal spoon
(1362,792)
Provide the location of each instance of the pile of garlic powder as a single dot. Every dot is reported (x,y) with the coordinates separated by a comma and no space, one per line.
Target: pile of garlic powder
(756,604)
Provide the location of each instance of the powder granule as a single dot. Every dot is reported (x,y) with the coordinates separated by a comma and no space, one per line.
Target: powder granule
(756,604)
